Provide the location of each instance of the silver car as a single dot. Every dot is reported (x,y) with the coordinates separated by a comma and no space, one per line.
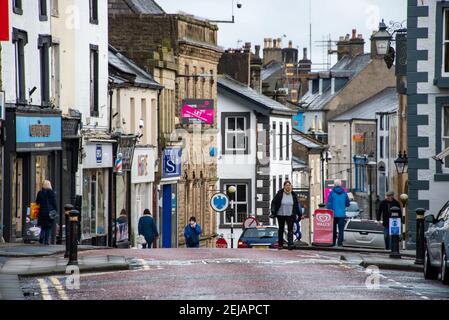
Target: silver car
(353,211)
(364,234)
(437,245)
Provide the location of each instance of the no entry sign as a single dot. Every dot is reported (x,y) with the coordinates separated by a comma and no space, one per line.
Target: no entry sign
(323,228)
(4,20)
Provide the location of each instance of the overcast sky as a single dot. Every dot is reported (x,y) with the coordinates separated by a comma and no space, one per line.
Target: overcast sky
(259,19)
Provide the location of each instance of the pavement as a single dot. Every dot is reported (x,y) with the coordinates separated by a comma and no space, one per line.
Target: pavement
(36,250)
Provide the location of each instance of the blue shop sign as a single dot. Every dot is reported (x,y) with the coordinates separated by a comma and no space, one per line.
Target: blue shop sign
(171,164)
(38,133)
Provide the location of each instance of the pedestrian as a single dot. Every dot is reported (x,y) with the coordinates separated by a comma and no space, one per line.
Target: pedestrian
(192,233)
(384,215)
(287,209)
(338,201)
(148,229)
(122,224)
(46,199)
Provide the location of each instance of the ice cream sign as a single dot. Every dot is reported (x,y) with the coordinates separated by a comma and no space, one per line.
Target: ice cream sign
(197,111)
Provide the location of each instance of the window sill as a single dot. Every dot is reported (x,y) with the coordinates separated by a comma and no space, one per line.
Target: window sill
(441,82)
(442,177)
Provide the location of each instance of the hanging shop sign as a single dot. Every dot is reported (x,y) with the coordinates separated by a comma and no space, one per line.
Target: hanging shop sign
(358,137)
(98,155)
(126,145)
(143,165)
(38,133)
(171,162)
(197,111)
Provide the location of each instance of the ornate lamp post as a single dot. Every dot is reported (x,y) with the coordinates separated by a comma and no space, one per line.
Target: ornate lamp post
(383,39)
(401,163)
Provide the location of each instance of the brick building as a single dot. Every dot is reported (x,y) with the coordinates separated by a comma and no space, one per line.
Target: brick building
(196,55)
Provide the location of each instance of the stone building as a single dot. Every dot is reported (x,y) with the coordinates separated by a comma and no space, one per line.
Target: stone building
(353,79)
(194,45)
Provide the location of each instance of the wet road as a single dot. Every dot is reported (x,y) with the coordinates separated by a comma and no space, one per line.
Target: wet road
(208,274)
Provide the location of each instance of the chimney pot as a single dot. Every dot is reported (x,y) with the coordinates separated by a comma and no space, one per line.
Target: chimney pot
(354,33)
(275,45)
(279,43)
(305,54)
(290,44)
(257,51)
(248,45)
(360,36)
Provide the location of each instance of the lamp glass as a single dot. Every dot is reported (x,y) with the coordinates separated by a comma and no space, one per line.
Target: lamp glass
(382,46)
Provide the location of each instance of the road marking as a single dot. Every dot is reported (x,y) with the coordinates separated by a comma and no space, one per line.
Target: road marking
(59,288)
(44,289)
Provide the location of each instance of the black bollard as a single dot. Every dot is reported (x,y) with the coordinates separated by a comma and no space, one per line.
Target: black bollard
(73,256)
(67,209)
(420,216)
(394,238)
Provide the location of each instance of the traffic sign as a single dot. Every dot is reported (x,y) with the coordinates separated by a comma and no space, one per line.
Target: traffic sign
(250,222)
(219,202)
(395,226)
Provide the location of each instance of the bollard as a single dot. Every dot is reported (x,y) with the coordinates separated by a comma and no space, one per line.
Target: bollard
(67,209)
(322,206)
(73,255)
(395,232)
(420,215)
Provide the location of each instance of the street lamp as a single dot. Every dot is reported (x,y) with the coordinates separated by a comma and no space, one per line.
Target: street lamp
(401,163)
(382,39)
(371,165)
(239,6)
(325,157)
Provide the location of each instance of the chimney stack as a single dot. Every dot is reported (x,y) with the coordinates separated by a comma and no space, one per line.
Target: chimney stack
(279,43)
(257,51)
(290,44)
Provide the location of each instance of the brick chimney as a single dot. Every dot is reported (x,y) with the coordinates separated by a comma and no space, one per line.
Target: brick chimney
(272,51)
(351,46)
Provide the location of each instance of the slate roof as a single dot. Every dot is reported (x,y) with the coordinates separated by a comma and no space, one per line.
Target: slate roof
(385,100)
(134,6)
(271,69)
(124,71)
(308,143)
(247,93)
(346,67)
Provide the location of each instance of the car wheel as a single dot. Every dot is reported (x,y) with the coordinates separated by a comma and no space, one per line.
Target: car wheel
(430,272)
(444,268)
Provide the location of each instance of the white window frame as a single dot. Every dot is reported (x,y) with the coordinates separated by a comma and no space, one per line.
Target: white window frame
(235,203)
(236,132)
(443,73)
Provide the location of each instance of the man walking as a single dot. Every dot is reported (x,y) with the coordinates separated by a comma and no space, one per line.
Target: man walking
(338,201)
(384,214)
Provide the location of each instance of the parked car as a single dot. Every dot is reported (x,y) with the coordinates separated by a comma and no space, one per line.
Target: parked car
(364,234)
(353,211)
(261,237)
(437,245)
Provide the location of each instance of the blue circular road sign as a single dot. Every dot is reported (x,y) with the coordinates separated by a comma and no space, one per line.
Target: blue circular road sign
(219,202)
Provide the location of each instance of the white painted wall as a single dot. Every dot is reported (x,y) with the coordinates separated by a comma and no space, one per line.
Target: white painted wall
(236,166)
(340,149)
(438,192)
(29,22)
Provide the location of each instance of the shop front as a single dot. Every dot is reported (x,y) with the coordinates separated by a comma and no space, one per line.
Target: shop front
(142,182)
(97,166)
(168,195)
(32,155)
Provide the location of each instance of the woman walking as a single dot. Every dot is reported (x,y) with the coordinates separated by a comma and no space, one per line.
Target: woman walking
(148,229)
(286,208)
(46,199)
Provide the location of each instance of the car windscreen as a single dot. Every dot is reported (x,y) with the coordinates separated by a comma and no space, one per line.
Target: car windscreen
(261,233)
(353,207)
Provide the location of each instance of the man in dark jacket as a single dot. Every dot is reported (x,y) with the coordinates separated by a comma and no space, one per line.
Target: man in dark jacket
(147,228)
(286,208)
(384,214)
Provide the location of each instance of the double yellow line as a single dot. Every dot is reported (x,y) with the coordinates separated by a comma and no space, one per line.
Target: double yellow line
(56,284)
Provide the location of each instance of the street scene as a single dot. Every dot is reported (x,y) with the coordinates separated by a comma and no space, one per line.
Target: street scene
(224,150)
